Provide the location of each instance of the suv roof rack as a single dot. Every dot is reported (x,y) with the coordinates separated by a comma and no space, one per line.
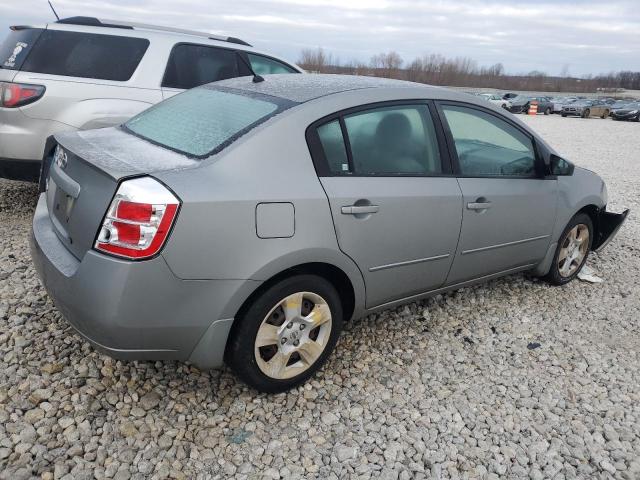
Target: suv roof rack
(96,22)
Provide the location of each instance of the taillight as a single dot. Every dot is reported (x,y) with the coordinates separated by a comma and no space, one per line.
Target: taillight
(13,95)
(138,220)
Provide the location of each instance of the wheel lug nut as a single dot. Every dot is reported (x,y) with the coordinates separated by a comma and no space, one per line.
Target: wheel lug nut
(296,343)
(283,341)
(302,326)
(290,324)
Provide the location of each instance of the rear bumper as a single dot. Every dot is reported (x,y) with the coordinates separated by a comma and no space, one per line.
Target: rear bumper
(22,139)
(133,310)
(26,170)
(608,226)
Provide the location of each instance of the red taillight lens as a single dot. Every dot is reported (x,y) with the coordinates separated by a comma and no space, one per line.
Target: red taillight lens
(13,95)
(139,219)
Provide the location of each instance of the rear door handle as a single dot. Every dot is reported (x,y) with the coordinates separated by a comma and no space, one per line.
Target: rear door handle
(359,209)
(478,205)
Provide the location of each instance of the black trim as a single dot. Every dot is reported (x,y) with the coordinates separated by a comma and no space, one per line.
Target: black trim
(320,160)
(540,166)
(23,170)
(91,22)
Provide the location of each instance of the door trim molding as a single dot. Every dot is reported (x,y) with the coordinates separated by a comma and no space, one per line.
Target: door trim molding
(501,245)
(409,262)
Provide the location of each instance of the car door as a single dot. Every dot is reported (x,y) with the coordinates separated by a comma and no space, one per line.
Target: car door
(509,207)
(396,208)
(191,65)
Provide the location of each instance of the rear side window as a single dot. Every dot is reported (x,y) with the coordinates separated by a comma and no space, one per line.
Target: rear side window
(16,47)
(385,141)
(86,55)
(265,66)
(203,121)
(190,66)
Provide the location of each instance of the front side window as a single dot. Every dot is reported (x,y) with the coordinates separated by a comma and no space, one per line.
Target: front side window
(393,140)
(203,121)
(487,145)
(265,66)
(86,55)
(190,66)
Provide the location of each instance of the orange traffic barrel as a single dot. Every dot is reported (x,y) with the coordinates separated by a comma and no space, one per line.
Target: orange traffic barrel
(533,108)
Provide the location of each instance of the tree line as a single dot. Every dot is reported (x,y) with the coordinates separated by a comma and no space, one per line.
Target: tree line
(437,69)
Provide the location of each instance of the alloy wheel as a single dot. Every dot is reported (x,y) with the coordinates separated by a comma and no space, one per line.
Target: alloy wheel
(574,249)
(293,335)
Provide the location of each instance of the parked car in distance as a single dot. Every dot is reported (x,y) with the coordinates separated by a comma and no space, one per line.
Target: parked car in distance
(630,111)
(521,104)
(272,215)
(559,102)
(509,96)
(81,73)
(496,100)
(586,108)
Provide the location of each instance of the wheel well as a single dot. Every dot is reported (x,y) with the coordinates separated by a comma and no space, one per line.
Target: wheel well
(593,213)
(329,272)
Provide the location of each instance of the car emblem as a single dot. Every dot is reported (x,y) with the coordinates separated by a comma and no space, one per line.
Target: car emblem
(60,158)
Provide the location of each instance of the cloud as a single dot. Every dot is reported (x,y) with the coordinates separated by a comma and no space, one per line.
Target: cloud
(523,35)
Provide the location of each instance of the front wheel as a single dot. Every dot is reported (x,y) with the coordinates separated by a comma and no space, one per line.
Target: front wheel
(605,114)
(586,113)
(286,334)
(547,111)
(572,251)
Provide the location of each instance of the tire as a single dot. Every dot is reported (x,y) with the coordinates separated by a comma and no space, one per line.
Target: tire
(504,105)
(586,113)
(525,109)
(267,311)
(564,115)
(605,114)
(547,111)
(559,274)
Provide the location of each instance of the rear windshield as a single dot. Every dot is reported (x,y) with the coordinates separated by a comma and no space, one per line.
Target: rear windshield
(15,48)
(203,121)
(86,55)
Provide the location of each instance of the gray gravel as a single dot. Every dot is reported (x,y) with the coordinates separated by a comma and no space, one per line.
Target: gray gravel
(513,379)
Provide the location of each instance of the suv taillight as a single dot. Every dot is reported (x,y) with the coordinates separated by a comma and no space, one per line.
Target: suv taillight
(138,220)
(13,95)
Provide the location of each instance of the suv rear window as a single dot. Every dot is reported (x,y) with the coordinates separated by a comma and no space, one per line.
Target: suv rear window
(204,120)
(86,55)
(16,47)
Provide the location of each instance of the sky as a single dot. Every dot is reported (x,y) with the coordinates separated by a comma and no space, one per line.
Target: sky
(553,36)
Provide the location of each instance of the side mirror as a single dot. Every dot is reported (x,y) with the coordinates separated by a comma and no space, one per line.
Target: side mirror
(560,167)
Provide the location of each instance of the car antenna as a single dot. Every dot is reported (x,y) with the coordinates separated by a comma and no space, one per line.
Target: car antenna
(53,9)
(256,78)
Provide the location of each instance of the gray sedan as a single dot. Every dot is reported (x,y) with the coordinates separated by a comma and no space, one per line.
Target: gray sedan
(245,221)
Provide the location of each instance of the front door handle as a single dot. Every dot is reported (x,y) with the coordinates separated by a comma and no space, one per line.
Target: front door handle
(359,209)
(478,205)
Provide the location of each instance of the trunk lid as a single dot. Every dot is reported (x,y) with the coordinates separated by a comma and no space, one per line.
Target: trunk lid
(82,184)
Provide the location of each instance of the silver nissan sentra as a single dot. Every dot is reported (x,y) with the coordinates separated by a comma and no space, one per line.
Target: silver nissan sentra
(244,221)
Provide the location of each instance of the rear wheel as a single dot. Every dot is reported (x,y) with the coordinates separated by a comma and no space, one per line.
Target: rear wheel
(586,113)
(572,251)
(287,334)
(547,111)
(605,114)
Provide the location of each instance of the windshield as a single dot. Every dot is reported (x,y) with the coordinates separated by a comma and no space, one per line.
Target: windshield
(204,120)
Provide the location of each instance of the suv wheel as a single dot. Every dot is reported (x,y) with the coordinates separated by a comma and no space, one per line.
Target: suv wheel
(572,251)
(286,334)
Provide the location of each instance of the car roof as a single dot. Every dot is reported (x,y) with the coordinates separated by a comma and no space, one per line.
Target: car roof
(304,88)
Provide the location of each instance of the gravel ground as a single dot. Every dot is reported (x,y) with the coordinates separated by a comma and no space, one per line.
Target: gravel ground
(512,379)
